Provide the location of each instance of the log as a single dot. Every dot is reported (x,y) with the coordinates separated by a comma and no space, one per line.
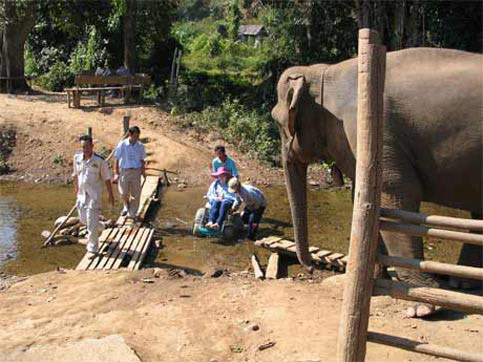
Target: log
(351,346)
(49,239)
(256,267)
(426,348)
(416,230)
(272,267)
(68,223)
(444,298)
(435,220)
(432,267)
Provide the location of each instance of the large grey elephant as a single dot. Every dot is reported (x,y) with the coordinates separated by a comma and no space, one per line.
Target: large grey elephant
(432,138)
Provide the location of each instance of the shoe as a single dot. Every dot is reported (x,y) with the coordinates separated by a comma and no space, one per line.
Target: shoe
(209,225)
(91,255)
(215,227)
(124,213)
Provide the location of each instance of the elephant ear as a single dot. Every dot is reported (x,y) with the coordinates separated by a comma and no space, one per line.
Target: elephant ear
(296,85)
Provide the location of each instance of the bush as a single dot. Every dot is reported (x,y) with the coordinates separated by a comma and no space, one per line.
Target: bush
(251,131)
(59,77)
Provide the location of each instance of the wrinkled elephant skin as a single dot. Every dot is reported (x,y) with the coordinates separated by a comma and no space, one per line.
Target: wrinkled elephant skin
(432,136)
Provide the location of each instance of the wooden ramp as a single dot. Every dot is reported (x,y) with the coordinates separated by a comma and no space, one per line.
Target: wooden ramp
(321,257)
(126,245)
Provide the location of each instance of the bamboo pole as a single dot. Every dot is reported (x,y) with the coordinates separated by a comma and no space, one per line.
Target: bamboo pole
(426,348)
(416,230)
(445,298)
(351,345)
(432,267)
(435,220)
(51,237)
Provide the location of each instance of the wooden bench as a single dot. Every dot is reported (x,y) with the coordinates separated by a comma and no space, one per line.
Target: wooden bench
(86,83)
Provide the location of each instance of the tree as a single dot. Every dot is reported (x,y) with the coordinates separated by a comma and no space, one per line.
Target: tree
(234,16)
(17,19)
(129,28)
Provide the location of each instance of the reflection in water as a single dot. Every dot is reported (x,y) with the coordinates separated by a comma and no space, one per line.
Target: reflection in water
(9,214)
(27,209)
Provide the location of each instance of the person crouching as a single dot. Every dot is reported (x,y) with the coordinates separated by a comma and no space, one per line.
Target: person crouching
(221,200)
(255,204)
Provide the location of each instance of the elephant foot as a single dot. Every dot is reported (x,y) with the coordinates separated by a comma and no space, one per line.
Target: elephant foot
(465,284)
(420,310)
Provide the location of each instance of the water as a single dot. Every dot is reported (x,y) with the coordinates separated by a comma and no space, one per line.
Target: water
(27,209)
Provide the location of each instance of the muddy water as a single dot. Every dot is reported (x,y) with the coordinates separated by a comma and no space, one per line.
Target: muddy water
(26,210)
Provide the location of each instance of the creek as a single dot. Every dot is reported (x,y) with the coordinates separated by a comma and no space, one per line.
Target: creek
(27,209)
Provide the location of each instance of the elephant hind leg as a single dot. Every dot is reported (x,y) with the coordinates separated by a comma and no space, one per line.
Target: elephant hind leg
(470,255)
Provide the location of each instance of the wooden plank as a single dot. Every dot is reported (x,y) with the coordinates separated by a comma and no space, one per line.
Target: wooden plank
(112,247)
(137,247)
(313,249)
(444,298)
(333,257)
(272,267)
(256,267)
(323,253)
(126,247)
(126,240)
(426,348)
(144,250)
(84,263)
(435,220)
(269,240)
(416,230)
(150,187)
(433,267)
(103,248)
(286,243)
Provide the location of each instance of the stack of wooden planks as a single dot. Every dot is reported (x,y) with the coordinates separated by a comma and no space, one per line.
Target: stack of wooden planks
(287,247)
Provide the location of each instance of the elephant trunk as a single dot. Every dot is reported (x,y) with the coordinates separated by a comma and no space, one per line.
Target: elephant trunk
(296,179)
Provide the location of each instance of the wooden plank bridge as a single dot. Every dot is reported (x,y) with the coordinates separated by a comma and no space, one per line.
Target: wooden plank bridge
(126,244)
(321,257)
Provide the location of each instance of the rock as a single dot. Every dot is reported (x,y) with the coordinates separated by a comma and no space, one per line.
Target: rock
(71,222)
(255,327)
(45,234)
(157,272)
(147,280)
(181,186)
(216,273)
(62,241)
(82,241)
(266,345)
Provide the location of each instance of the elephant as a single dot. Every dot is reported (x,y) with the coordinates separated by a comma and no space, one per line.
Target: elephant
(432,140)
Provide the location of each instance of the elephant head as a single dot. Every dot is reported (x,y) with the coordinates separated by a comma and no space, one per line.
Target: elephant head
(304,126)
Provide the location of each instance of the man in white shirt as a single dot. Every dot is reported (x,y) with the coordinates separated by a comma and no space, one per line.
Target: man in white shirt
(130,165)
(90,173)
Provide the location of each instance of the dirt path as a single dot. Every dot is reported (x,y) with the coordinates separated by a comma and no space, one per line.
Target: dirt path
(48,131)
(197,319)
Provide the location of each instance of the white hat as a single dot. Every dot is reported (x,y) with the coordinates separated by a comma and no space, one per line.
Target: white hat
(233,185)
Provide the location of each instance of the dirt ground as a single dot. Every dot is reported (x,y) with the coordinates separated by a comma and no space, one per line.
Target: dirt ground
(172,318)
(48,131)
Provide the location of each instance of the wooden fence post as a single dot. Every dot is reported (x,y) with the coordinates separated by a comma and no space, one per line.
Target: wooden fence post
(89,131)
(351,345)
(125,123)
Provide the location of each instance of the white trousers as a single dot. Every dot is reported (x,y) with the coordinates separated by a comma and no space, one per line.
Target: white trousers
(89,216)
(130,189)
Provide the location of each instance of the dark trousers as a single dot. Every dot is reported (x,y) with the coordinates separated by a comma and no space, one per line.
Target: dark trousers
(252,218)
(218,211)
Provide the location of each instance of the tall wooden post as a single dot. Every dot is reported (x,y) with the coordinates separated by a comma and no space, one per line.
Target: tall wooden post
(351,345)
(125,123)
(89,131)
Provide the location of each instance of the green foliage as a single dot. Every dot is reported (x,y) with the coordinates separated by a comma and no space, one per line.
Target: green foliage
(251,130)
(89,56)
(104,152)
(58,160)
(4,167)
(57,78)
(234,15)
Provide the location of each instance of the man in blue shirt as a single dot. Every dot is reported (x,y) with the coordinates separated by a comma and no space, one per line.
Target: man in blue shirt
(129,166)
(222,160)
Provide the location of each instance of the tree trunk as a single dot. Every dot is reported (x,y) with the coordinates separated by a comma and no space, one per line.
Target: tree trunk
(129,22)
(15,32)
